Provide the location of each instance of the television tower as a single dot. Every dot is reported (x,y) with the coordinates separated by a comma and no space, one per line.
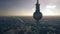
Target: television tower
(37,15)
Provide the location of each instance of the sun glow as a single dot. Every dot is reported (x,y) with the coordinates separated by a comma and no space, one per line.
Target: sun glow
(48,11)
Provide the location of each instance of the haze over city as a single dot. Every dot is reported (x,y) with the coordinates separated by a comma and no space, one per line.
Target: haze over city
(27,7)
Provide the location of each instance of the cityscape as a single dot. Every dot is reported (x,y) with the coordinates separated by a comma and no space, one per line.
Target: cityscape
(27,25)
(38,22)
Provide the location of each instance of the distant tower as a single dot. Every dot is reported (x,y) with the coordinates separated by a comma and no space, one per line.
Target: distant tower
(37,15)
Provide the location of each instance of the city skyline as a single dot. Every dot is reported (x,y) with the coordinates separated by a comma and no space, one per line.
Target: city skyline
(27,7)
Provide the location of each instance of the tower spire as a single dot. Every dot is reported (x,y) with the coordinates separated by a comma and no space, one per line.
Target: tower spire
(37,6)
(37,1)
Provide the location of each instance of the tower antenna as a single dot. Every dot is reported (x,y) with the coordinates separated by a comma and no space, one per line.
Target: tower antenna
(37,1)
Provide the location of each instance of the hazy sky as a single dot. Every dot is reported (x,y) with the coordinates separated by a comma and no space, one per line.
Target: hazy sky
(27,7)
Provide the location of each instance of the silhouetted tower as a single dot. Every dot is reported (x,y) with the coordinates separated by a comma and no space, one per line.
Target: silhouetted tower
(37,15)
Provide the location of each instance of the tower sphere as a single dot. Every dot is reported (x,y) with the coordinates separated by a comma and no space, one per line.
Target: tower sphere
(37,15)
